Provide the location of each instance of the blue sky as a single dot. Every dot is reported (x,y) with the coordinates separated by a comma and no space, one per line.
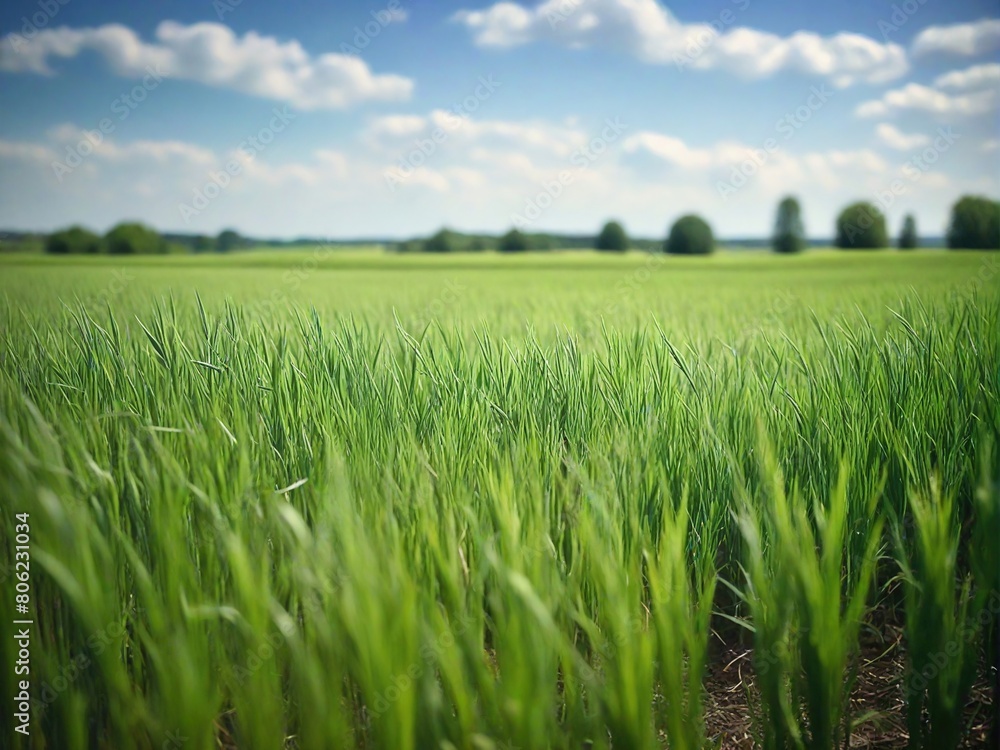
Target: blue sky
(551,115)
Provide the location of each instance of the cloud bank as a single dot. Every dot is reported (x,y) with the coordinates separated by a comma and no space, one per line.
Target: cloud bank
(212,54)
(649,31)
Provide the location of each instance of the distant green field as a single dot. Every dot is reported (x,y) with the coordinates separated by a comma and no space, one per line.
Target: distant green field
(479,502)
(577,290)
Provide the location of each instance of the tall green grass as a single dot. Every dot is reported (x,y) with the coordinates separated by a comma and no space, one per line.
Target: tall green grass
(264,530)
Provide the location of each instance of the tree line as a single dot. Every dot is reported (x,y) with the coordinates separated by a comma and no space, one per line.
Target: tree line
(974,225)
(133,238)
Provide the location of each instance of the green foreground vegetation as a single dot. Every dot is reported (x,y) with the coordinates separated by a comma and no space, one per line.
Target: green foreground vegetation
(363,500)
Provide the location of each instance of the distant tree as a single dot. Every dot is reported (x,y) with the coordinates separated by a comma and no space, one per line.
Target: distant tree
(202,243)
(789,234)
(612,238)
(477,244)
(227,240)
(134,239)
(975,224)
(442,242)
(861,226)
(690,235)
(513,242)
(908,234)
(73,241)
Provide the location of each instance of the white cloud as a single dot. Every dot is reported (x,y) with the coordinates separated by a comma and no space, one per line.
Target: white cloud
(974,78)
(404,131)
(560,142)
(649,31)
(29,152)
(212,54)
(969,39)
(69,136)
(396,15)
(397,125)
(894,138)
(67,139)
(976,91)
(477,179)
(770,169)
(669,149)
(915,96)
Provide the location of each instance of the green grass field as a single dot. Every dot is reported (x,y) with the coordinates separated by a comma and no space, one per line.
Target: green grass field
(358,500)
(702,297)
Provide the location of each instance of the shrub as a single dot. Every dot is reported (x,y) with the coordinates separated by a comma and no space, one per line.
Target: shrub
(861,226)
(612,238)
(908,234)
(442,242)
(789,234)
(975,224)
(690,235)
(513,242)
(134,239)
(72,241)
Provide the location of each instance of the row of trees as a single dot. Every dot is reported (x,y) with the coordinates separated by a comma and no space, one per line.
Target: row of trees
(125,239)
(690,235)
(860,225)
(447,241)
(975,224)
(132,238)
